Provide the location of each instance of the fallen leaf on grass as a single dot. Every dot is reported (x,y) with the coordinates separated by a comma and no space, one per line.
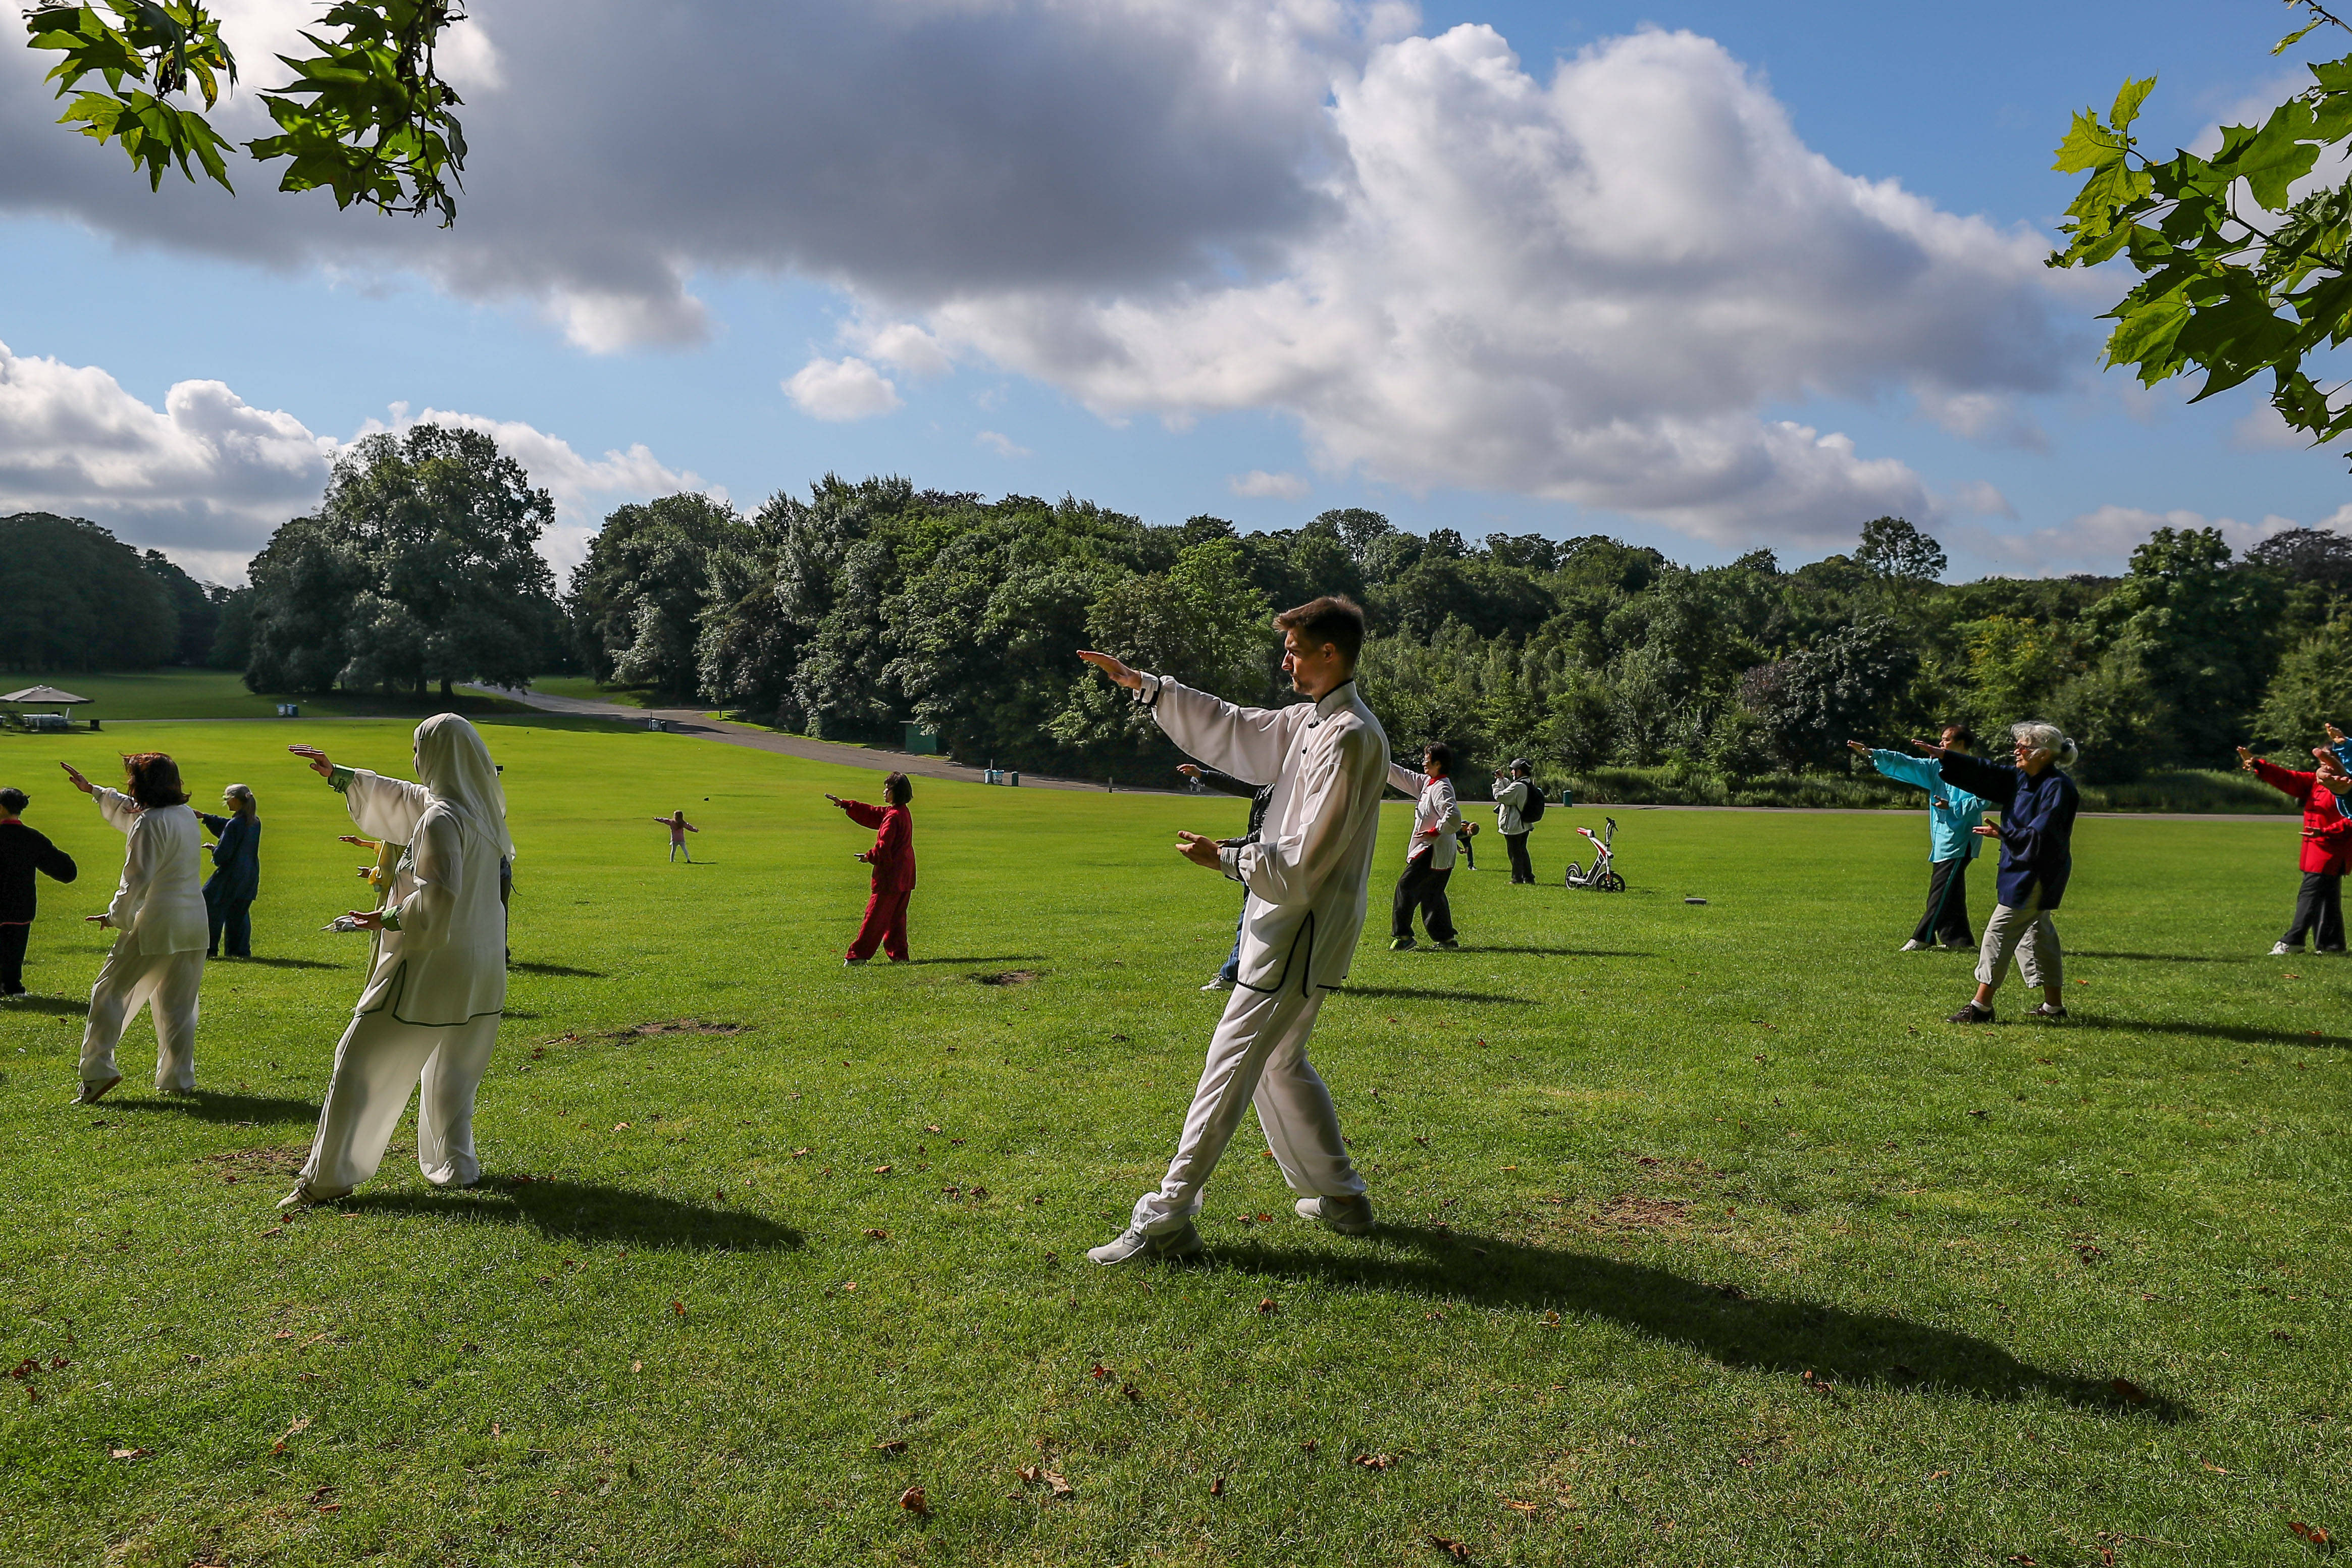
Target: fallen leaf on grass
(894,1445)
(678,1308)
(931,1127)
(1038,1476)
(1309,1446)
(872,1234)
(797,1154)
(127,1453)
(25,1369)
(1372,1461)
(620,1127)
(2127,1391)
(1518,1506)
(1453,1549)
(911,1499)
(1266,1305)
(1128,1389)
(637,1366)
(2217,1469)
(1217,1487)
(2311,1532)
(1100,1373)
(274,1230)
(881,1170)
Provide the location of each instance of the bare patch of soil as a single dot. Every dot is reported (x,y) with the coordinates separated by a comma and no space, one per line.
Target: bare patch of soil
(1005,977)
(1629,1213)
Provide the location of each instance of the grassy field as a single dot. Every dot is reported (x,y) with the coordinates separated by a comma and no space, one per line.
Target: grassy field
(1704,1241)
(221,694)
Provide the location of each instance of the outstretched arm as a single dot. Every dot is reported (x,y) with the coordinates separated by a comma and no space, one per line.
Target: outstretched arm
(1247,743)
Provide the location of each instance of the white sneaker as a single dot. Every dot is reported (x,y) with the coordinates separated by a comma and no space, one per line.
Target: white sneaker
(1913,946)
(1957,946)
(91,1093)
(1131,1245)
(2280,950)
(1349,1216)
(1218,986)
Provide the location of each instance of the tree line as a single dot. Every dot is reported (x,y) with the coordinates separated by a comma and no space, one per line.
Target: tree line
(864,606)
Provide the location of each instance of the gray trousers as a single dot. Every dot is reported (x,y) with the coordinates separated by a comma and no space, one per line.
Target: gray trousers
(2025,932)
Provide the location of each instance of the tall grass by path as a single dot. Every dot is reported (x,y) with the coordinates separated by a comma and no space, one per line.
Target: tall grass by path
(1704,1241)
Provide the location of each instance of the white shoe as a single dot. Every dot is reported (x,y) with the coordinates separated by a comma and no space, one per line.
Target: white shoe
(303,1196)
(1913,946)
(852,962)
(1218,986)
(1349,1216)
(1131,1245)
(91,1093)
(2280,950)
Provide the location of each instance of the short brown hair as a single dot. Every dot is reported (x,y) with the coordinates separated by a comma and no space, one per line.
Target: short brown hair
(1334,618)
(897,789)
(153,778)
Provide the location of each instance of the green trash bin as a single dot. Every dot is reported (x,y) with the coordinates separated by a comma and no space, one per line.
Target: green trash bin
(1568,798)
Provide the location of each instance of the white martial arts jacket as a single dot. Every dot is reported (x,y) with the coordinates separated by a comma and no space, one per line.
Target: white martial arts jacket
(1306,873)
(1434,805)
(159,905)
(446,961)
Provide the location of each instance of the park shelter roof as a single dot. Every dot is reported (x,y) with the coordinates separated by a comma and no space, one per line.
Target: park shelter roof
(45,694)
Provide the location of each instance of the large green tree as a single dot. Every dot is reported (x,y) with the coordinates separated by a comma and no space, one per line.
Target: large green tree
(74,597)
(635,602)
(420,566)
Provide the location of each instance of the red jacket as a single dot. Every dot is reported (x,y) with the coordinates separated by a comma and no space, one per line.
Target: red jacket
(893,855)
(2330,854)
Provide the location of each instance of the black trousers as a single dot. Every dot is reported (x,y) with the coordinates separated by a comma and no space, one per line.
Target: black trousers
(1522,869)
(1947,919)
(1424,889)
(234,919)
(12,957)
(2319,909)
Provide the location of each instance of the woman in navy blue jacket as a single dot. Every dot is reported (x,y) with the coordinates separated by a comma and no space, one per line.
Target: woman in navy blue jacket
(2037,805)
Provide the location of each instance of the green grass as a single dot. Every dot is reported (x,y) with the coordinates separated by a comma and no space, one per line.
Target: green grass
(221,694)
(582,688)
(1703,1242)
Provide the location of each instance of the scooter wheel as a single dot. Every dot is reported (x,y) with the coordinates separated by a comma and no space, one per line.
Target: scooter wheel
(1616,884)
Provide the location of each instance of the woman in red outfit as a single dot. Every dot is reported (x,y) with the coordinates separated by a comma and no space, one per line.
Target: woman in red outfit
(2326,851)
(893,859)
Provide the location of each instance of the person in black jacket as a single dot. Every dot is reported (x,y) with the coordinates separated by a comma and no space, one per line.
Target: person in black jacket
(236,872)
(2037,805)
(1261,797)
(22,851)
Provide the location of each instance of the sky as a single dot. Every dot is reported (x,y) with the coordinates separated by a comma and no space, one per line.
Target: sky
(1705,276)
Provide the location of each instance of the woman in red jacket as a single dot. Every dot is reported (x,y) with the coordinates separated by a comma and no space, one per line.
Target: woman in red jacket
(893,859)
(2326,849)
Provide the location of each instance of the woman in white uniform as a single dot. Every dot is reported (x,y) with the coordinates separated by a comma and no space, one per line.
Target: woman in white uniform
(431,1008)
(158,960)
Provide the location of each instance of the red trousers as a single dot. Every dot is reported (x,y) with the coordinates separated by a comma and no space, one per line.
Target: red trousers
(885,924)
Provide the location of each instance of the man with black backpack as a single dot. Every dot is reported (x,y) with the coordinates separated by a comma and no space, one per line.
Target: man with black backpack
(1519,806)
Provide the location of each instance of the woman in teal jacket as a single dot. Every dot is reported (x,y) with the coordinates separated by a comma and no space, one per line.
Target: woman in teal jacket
(1953,816)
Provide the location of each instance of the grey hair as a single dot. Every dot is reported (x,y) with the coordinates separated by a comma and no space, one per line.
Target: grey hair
(238,792)
(2044,736)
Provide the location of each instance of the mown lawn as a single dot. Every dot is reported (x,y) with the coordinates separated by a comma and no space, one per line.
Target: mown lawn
(1705,1241)
(177,693)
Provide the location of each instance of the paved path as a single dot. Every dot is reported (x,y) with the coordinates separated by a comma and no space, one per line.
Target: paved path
(693,722)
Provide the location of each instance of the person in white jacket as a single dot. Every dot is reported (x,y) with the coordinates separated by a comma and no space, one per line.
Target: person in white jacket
(430,1011)
(1328,760)
(158,912)
(1429,856)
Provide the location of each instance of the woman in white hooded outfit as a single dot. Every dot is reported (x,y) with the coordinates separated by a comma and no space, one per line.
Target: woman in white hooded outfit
(158,960)
(431,1008)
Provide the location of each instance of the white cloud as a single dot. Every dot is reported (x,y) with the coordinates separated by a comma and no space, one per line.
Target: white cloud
(1584,288)
(1002,445)
(839,389)
(1259,484)
(2261,429)
(2102,540)
(902,345)
(208,478)
(1976,498)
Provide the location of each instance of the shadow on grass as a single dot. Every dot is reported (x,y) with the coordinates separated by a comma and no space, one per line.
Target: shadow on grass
(2167,957)
(1833,1344)
(563,969)
(283,963)
(1424,993)
(207,1105)
(1554,952)
(590,1211)
(74,1004)
(2243,1034)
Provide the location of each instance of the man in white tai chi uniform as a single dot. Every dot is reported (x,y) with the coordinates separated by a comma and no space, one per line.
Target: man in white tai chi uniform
(1328,760)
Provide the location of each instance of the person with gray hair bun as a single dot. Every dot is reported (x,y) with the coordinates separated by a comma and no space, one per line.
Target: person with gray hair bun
(235,880)
(2037,803)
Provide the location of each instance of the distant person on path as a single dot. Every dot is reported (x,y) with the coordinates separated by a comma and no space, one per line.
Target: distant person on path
(22,851)
(1515,792)
(429,1014)
(2037,805)
(1261,797)
(235,880)
(893,859)
(158,958)
(2326,850)
(1429,856)
(678,829)
(1327,759)
(1953,817)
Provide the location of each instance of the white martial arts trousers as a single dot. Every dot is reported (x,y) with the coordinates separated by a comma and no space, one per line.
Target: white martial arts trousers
(166,983)
(1259,1052)
(379,1061)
